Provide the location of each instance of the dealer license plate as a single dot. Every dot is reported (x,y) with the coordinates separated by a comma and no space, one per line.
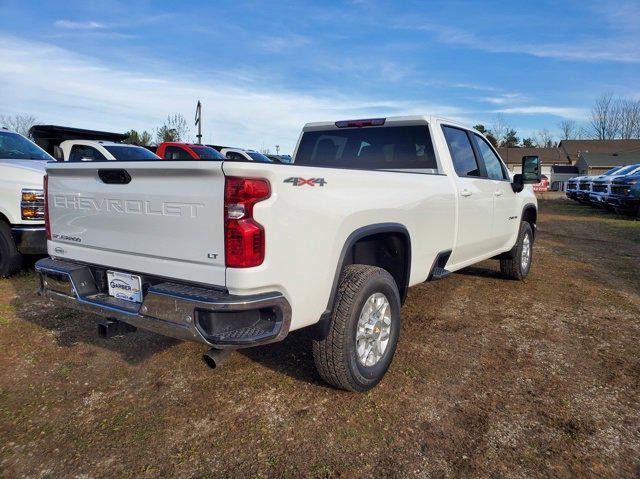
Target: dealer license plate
(125,286)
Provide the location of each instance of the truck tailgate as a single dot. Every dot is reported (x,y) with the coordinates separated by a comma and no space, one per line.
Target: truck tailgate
(161,218)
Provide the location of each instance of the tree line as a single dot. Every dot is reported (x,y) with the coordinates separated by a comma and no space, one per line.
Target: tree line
(175,128)
(610,118)
(502,135)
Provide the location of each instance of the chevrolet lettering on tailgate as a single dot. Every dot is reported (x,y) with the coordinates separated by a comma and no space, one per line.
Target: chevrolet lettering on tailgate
(128,206)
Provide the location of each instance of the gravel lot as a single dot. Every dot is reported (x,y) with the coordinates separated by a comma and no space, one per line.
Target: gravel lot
(493,378)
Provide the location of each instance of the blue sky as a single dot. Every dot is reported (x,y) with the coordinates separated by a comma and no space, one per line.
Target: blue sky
(263,69)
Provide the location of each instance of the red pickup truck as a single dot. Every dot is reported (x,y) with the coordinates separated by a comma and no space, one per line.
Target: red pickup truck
(187,151)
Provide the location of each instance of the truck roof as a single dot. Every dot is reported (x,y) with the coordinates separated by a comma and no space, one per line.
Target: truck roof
(100,142)
(181,143)
(378,121)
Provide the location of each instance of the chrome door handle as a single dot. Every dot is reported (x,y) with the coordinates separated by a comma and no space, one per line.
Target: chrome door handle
(465,193)
(498,193)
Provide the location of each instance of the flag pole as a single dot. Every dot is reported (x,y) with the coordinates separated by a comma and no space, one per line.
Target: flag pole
(199,122)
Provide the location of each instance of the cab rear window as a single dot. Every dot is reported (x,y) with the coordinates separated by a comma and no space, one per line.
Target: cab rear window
(401,148)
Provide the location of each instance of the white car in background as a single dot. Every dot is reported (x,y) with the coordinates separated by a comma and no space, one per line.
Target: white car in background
(95,150)
(238,154)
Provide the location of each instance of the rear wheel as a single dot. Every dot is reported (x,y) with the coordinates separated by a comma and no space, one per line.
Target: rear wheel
(364,330)
(518,264)
(10,257)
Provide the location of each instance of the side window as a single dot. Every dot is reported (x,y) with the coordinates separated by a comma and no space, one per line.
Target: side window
(492,163)
(85,153)
(175,153)
(464,160)
(232,155)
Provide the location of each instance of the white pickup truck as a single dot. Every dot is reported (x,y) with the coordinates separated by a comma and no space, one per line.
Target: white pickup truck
(100,150)
(22,231)
(237,254)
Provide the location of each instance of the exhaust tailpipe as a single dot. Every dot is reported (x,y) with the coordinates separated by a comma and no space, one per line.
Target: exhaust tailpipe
(215,357)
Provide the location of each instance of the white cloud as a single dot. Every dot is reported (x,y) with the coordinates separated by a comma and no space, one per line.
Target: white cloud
(62,87)
(471,86)
(277,44)
(505,98)
(71,25)
(563,112)
(624,48)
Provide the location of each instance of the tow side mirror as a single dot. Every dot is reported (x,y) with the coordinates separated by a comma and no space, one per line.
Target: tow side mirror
(531,173)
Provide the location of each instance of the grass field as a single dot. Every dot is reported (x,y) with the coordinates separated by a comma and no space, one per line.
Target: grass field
(492,378)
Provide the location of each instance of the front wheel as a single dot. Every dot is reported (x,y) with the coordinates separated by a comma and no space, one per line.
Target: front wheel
(518,264)
(364,330)
(10,257)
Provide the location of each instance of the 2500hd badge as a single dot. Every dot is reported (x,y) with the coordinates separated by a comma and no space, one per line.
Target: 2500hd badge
(74,239)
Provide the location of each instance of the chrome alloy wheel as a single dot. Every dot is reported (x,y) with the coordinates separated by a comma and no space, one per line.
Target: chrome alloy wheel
(374,329)
(526,252)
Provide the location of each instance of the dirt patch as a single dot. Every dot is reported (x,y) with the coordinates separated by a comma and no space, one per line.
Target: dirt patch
(492,378)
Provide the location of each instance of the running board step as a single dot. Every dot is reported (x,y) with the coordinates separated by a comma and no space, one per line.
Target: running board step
(439,273)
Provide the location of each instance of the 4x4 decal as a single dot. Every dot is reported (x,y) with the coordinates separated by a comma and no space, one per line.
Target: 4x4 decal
(298,181)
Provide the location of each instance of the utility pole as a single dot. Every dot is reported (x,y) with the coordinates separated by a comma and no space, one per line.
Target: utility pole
(199,121)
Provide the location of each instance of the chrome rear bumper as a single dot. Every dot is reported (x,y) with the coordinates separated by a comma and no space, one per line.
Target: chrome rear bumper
(188,312)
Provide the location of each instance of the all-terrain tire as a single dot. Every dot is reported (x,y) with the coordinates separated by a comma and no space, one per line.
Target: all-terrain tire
(336,355)
(10,257)
(513,266)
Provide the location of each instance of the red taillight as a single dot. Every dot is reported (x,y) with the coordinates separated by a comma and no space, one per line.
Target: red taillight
(47,225)
(244,237)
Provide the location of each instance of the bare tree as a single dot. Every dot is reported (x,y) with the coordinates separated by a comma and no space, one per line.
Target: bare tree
(174,129)
(568,130)
(583,133)
(545,139)
(20,123)
(265,151)
(629,118)
(500,128)
(605,118)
